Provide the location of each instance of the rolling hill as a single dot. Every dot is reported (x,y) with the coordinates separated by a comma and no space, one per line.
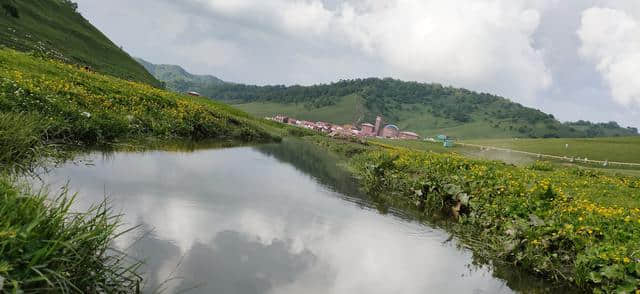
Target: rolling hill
(179,80)
(427,109)
(54,29)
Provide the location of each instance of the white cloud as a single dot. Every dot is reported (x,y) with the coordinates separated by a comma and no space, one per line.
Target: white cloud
(295,17)
(524,50)
(483,45)
(611,39)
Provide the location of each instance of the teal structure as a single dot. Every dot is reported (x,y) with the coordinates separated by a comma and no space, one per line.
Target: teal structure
(448,143)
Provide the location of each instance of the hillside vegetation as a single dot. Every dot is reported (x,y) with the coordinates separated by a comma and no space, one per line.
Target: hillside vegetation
(574,225)
(177,79)
(427,109)
(54,28)
(47,248)
(50,101)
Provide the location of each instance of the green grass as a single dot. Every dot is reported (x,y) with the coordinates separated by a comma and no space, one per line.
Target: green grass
(347,111)
(45,248)
(574,225)
(79,107)
(52,28)
(621,149)
(350,109)
(22,147)
(410,117)
(179,80)
(506,157)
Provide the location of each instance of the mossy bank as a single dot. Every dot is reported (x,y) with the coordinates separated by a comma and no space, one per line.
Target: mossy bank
(571,225)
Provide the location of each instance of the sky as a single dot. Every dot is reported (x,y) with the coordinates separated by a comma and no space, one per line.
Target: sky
(576,59)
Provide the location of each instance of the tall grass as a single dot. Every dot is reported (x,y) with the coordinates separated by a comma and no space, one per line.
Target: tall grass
(45,247)
(22,141)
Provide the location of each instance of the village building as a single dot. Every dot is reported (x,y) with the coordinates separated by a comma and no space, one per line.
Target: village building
(193,93)
(348,130)
(368,130)
(409,136)
(390,131)
(282,119)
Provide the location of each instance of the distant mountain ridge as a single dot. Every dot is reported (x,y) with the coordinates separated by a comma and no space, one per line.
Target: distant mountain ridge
(55,29)
(178,79)
(424,108)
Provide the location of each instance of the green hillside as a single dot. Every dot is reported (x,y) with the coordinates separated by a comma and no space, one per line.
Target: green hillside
(179,80)
(427,109)
(54,28)
(49,102)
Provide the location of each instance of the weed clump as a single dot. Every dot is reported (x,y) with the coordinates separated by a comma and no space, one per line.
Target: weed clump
(45,247)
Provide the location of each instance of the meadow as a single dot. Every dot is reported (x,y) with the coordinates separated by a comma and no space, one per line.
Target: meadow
(572,225)
(62,104)
(346,111)
(621,149)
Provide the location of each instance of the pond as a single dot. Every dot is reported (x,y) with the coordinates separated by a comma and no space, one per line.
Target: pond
(280,218)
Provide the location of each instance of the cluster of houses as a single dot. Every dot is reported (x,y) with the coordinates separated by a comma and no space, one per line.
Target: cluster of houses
(365,130)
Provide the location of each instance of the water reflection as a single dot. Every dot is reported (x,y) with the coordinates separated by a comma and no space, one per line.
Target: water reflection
(268,219)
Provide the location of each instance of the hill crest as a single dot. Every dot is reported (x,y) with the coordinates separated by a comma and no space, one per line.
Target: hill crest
(178,79)
(55,29)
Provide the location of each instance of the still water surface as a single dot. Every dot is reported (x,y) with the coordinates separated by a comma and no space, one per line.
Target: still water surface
(279,218)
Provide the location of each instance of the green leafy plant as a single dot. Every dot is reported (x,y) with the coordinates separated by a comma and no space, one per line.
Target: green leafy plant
(46,247)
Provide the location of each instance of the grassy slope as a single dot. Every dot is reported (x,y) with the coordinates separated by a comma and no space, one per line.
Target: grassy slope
(573,225)
(411,117)
(75,106)
(622,149)
(52,28)
(179,80)
(346,111)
